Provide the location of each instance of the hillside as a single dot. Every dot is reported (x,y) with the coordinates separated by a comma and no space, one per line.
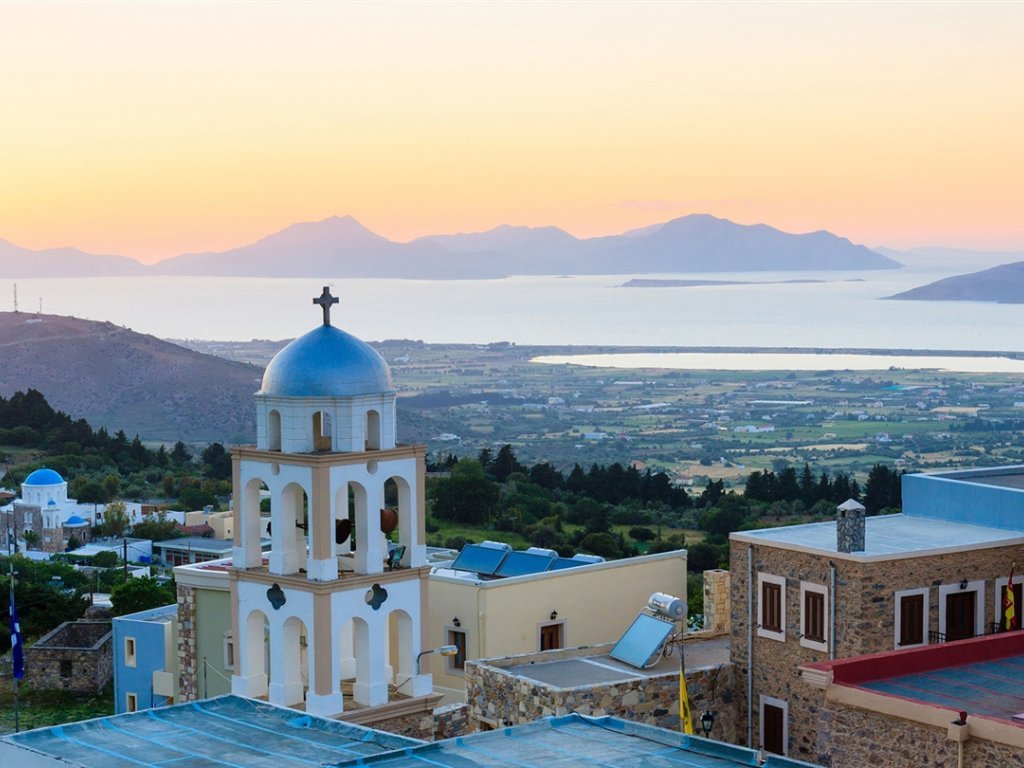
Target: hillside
(1003,284)
(119,379)
(16,261)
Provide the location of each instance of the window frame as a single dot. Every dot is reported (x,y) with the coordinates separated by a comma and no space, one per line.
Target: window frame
(898,616)
(131,702)
(456,665)
(131,649)
(779,704)
(229,650)
(762,631)
(807,587)
(977,586)
(561,635)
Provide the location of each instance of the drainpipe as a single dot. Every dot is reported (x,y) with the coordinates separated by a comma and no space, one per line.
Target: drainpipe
(832,611)
(750,646)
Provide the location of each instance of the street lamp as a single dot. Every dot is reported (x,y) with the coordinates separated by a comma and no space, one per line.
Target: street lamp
(707,721)
(444,650)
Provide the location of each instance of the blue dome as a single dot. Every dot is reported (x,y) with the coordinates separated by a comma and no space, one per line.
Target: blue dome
(326,362)
(75,520)
(44,477)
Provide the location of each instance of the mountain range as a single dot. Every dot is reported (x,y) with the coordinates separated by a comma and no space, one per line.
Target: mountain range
(342,247)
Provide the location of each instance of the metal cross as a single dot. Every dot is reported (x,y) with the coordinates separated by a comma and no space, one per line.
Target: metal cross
(325,300)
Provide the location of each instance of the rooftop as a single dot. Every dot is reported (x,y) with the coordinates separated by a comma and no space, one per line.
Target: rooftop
(224,731)
(575,740)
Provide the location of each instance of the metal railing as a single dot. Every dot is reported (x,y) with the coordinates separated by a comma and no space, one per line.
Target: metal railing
(991,628)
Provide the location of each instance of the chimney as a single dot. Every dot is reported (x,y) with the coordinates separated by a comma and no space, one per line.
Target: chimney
(850,527)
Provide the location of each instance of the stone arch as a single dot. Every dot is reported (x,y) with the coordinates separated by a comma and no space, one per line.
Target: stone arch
(372,433)
(274,430)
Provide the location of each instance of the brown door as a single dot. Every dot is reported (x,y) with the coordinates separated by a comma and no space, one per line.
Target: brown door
(773,720)
(960,615)
(550,637)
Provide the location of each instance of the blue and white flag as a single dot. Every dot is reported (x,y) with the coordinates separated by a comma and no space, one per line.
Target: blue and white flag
(17,657)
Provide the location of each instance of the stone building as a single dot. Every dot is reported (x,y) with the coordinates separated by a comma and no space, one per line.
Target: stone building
(805,594)
(958,703)
(44,508)
(76,656)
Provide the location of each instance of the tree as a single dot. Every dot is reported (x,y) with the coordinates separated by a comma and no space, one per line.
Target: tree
(140,595)
(602,544)
(466,496)
(883,489)
(156,528)
(217,461)
(180,454)
(640,533)
(115,520)
(702,557)
(31,538)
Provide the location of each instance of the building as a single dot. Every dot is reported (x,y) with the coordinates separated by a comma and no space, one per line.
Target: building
(810,593)
(76,656)
(336,612)
(192,549)
(492,602)
(229,731)
(44,509)
(205,658)
(958,703)
(145,645)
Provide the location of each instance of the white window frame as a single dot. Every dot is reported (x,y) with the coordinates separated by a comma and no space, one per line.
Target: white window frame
(558,623)
(131,702)
(131,650)
(821,589)
(898,617)
(979,604)
(229,651)
(772,701)
(761,631)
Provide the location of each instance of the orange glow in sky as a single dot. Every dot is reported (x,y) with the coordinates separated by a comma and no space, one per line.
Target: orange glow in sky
(153,129)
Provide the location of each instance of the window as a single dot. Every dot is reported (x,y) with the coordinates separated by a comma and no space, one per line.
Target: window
(457,637)
(229,651)
(774,725)
(551,637)
(911,618)
(66,670)
(813,616)
(771,607)
(962,611)
(129,651)
(131,702)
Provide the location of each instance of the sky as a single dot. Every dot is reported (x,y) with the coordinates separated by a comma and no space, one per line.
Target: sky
(153,129)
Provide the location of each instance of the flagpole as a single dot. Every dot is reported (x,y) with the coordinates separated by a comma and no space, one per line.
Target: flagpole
(12,611)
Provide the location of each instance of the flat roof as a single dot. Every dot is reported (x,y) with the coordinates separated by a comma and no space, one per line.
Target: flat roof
(575,740)
(887,535)
(227,731)
(587,671)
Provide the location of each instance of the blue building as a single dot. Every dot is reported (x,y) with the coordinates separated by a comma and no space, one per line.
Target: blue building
(145,645)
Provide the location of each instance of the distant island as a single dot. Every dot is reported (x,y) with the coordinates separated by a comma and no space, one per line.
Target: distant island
(640,282)
(1003,284)
(341,247)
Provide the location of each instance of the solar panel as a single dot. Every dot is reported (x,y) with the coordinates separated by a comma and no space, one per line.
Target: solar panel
(562,563)
(479,559)
(522,563)
(642,641)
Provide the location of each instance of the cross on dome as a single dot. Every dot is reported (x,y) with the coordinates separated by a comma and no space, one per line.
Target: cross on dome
(325,300)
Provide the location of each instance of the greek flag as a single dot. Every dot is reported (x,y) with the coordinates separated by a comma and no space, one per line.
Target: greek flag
(17,658)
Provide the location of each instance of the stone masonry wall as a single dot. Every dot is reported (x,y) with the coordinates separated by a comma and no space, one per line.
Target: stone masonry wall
(865,620)
(72,658)
(450,721)
(188,677)
(858,738)
(716,600)
(418,725)
(498,698)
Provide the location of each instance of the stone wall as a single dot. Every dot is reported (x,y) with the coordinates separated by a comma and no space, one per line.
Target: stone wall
(864,613)
(450,721)
(716,601)
(417,725)
(496,698)
(76,656)
(188,678)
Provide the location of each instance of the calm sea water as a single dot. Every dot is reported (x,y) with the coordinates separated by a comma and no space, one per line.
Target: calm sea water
(843,312)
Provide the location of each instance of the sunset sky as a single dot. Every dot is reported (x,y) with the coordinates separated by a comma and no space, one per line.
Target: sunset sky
(152,129)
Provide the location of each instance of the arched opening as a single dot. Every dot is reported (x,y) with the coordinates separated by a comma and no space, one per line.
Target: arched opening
(372,433)
(252,653)
(401,654)
(350,502)
(322,431)
(251,524)
(289,676)
(273,431)
(290,522)
(361,652)
(398,496)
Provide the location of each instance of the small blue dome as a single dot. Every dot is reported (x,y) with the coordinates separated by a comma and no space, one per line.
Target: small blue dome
(326,362)
(51,503)
(44,477)
(74,521)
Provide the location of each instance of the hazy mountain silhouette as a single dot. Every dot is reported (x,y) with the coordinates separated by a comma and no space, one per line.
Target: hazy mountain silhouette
(16,261)
(1003,284)
(342,247)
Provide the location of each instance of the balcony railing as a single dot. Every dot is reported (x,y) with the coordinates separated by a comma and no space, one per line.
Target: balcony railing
(991,628)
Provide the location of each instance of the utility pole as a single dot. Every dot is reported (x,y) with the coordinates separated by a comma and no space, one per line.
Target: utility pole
(125,543)
(11,534)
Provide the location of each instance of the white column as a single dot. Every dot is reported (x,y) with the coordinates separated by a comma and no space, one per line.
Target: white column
(285,678)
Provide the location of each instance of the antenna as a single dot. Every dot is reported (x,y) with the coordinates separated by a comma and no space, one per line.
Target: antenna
(15,297)
(40,305)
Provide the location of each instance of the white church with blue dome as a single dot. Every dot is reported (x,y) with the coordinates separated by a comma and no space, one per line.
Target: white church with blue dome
(45,509)
(333,619)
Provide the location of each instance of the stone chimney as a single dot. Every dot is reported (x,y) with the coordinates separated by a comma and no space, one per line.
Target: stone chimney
(850,527)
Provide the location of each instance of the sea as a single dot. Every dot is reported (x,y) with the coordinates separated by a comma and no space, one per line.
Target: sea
(810,310)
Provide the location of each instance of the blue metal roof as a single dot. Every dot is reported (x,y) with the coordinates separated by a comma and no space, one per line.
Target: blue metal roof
(575,740)
(44,476)
(326,362)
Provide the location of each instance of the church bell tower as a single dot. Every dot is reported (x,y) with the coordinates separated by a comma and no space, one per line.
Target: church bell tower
(337,607)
